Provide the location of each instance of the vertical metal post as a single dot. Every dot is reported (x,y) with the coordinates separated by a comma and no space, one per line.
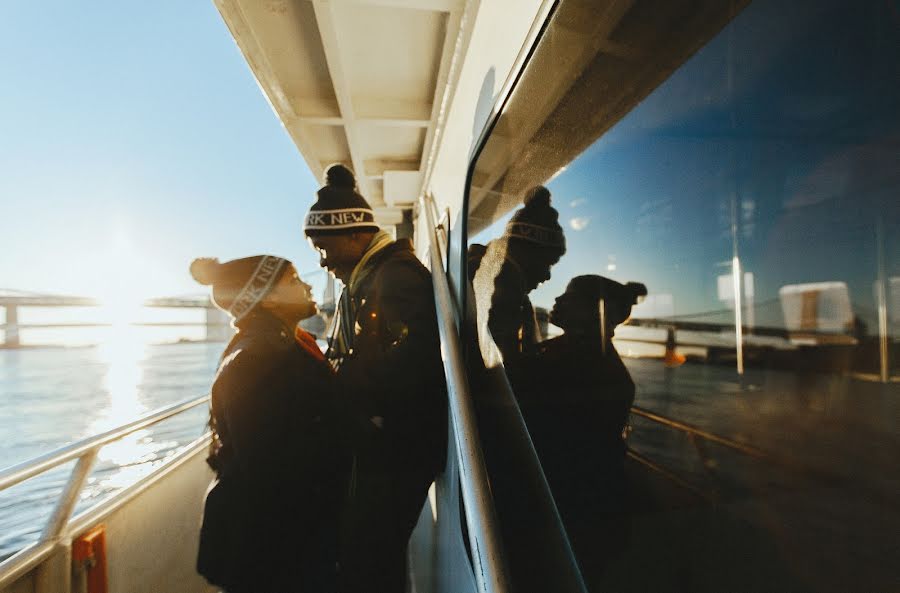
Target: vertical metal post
(738,313)
(63,511)
(737,274)
(602,306)
(881,304)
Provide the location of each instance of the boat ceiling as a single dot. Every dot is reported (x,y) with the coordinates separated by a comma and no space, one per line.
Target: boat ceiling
(358,82)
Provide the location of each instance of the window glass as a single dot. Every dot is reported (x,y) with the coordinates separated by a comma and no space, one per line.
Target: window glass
(718,245)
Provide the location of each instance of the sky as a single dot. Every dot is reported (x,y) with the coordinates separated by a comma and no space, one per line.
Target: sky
(133,138)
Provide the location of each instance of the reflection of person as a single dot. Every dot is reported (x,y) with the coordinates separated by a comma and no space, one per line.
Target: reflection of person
(575,394)
(270,518)
(509,268)
(390,376)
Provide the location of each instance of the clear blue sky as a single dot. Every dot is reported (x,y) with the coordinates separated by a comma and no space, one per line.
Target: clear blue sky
(133,137)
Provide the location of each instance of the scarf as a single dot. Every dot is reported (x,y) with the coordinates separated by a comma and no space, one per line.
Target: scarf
(381,240)
(345,319)
(307,343)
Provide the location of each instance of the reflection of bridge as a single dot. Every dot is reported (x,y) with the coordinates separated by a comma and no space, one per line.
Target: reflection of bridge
(216,322)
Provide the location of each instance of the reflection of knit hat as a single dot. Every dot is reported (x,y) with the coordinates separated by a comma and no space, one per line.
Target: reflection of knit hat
(239,285)
(537,221)
(339,209)
(619,297)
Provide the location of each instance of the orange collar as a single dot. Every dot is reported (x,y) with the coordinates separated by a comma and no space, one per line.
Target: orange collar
(308,343)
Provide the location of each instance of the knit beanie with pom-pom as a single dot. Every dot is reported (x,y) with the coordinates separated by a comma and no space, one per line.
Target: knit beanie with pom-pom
(338,207)
(240,284)
(537,222)
(619,297)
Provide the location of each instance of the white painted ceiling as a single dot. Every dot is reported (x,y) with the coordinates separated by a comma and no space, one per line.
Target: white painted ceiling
(353,81)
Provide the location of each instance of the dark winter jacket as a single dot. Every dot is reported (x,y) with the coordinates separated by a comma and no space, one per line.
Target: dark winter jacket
(393,371)
(575,399)
(391,380)
(271,516)
(505,315)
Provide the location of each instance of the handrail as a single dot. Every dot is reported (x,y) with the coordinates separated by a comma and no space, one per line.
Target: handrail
(85,451)
(28,469)
(481,517)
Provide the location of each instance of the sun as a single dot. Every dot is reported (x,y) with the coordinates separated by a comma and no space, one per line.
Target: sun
(122,288)
(120,307)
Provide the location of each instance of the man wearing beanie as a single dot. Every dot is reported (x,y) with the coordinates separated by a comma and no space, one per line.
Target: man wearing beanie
(507,270)
(386,350)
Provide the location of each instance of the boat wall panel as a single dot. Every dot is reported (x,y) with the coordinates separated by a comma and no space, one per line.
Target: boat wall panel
(23,585)
(152,539)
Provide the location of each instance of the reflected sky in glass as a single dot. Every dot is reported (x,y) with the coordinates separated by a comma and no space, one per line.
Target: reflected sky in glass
(787,149)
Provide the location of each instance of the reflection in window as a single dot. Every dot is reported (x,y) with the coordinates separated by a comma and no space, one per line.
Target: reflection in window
(754,194)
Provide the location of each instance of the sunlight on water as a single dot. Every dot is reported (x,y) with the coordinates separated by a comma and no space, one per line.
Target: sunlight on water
(122,354)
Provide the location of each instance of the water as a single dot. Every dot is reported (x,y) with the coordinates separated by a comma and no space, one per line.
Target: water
(53,396)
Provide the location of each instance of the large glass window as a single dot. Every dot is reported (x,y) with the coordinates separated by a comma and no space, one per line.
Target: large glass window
(725,186)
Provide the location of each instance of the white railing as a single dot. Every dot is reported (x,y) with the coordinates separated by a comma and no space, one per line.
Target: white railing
(481,517)
(85,451)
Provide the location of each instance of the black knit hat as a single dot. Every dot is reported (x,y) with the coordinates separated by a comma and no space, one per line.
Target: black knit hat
(240,284)
(537,221)
(339,208)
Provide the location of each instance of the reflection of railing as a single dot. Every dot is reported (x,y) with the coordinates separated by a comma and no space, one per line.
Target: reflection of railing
(821,475)
(693,430)
(85,451)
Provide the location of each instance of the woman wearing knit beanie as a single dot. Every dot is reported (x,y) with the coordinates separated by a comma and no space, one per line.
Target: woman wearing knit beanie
(271,517)
(510,268)
(575,395)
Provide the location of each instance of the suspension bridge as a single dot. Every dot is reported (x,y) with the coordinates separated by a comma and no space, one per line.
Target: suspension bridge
(215,321)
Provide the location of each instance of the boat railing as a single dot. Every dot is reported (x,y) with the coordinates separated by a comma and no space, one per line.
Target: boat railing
(85,452)
(480,513)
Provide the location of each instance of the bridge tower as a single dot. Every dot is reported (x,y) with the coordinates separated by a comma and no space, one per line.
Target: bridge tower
(11,327)
(218,327)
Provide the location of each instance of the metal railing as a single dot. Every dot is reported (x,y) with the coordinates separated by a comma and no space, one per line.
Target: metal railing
(85,451)
(481,517)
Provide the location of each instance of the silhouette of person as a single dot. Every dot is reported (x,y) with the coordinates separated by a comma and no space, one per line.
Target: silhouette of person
(386,350)
(506,270)
(575,394)
(271,516)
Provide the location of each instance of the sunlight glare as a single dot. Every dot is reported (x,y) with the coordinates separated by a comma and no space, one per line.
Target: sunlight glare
(121,291)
